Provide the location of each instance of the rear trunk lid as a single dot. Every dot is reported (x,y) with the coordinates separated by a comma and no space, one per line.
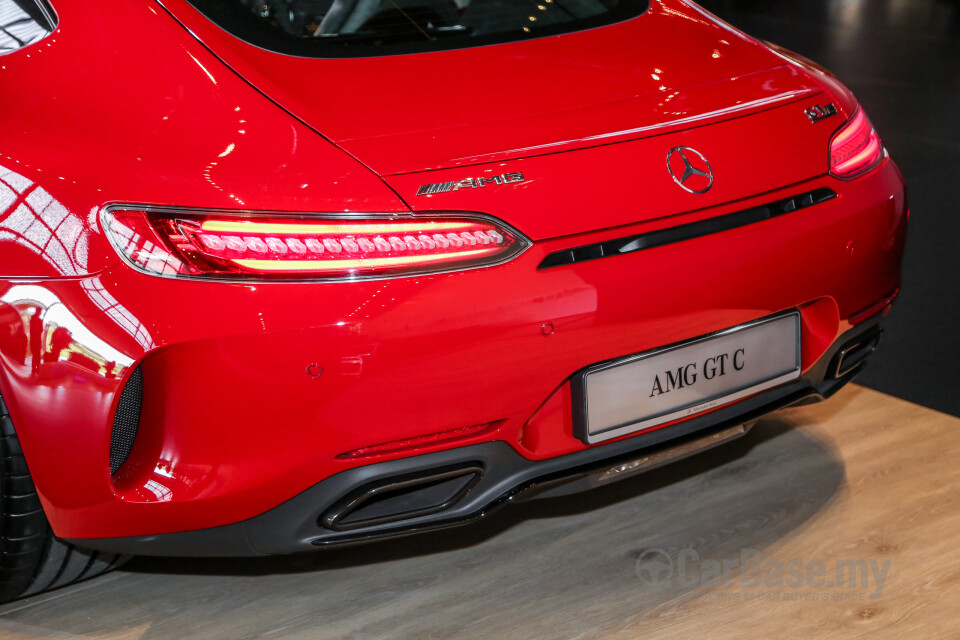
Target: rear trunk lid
(605,186)
(588,118)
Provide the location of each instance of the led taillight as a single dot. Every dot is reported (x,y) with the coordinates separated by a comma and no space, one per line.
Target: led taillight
(856,148)
(184,243)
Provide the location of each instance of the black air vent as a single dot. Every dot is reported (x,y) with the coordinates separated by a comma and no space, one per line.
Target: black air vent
(671,235)
(126,421)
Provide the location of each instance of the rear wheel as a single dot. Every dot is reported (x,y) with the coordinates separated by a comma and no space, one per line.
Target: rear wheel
(32,559)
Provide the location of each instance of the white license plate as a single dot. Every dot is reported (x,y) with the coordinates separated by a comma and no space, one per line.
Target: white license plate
(643,391)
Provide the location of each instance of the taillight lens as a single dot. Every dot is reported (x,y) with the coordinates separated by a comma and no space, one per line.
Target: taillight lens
(213,244)
(856,148)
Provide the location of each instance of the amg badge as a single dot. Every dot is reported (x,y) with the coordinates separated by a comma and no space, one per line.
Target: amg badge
(469,183)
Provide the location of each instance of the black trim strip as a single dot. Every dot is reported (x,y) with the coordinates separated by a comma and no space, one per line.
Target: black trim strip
(689,231)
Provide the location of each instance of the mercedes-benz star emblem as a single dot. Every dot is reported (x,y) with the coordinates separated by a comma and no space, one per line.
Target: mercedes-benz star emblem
(690,169)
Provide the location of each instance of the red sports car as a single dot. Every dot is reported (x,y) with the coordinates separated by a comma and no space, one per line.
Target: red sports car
(283,274)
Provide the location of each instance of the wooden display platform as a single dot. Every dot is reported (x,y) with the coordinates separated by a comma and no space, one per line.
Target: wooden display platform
(864,481)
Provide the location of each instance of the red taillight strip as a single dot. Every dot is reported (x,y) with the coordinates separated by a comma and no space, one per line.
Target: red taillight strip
(332,228)
(322,265)
(186,243)
(850,129)
(864,158)
(856,148)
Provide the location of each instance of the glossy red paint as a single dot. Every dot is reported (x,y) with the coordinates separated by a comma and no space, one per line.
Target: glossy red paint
(669,69)
(614,185)
(233,423)
(123,123)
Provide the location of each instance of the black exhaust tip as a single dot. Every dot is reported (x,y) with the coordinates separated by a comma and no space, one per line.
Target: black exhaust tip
(402,498)
(853,354)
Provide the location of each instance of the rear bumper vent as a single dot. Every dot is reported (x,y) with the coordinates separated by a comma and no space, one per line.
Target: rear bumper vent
(402,498)
(126,421)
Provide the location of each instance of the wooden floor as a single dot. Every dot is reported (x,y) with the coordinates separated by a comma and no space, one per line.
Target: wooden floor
(865,481)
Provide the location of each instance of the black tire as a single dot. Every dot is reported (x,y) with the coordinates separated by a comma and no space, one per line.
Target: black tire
(32,559)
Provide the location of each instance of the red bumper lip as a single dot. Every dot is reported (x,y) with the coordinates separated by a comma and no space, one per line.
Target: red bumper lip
(235,426)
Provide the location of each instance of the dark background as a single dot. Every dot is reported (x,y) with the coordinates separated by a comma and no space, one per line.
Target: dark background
(902,59)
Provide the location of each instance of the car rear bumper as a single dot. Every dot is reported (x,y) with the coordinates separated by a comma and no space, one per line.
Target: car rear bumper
(493,473)
(255,395)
